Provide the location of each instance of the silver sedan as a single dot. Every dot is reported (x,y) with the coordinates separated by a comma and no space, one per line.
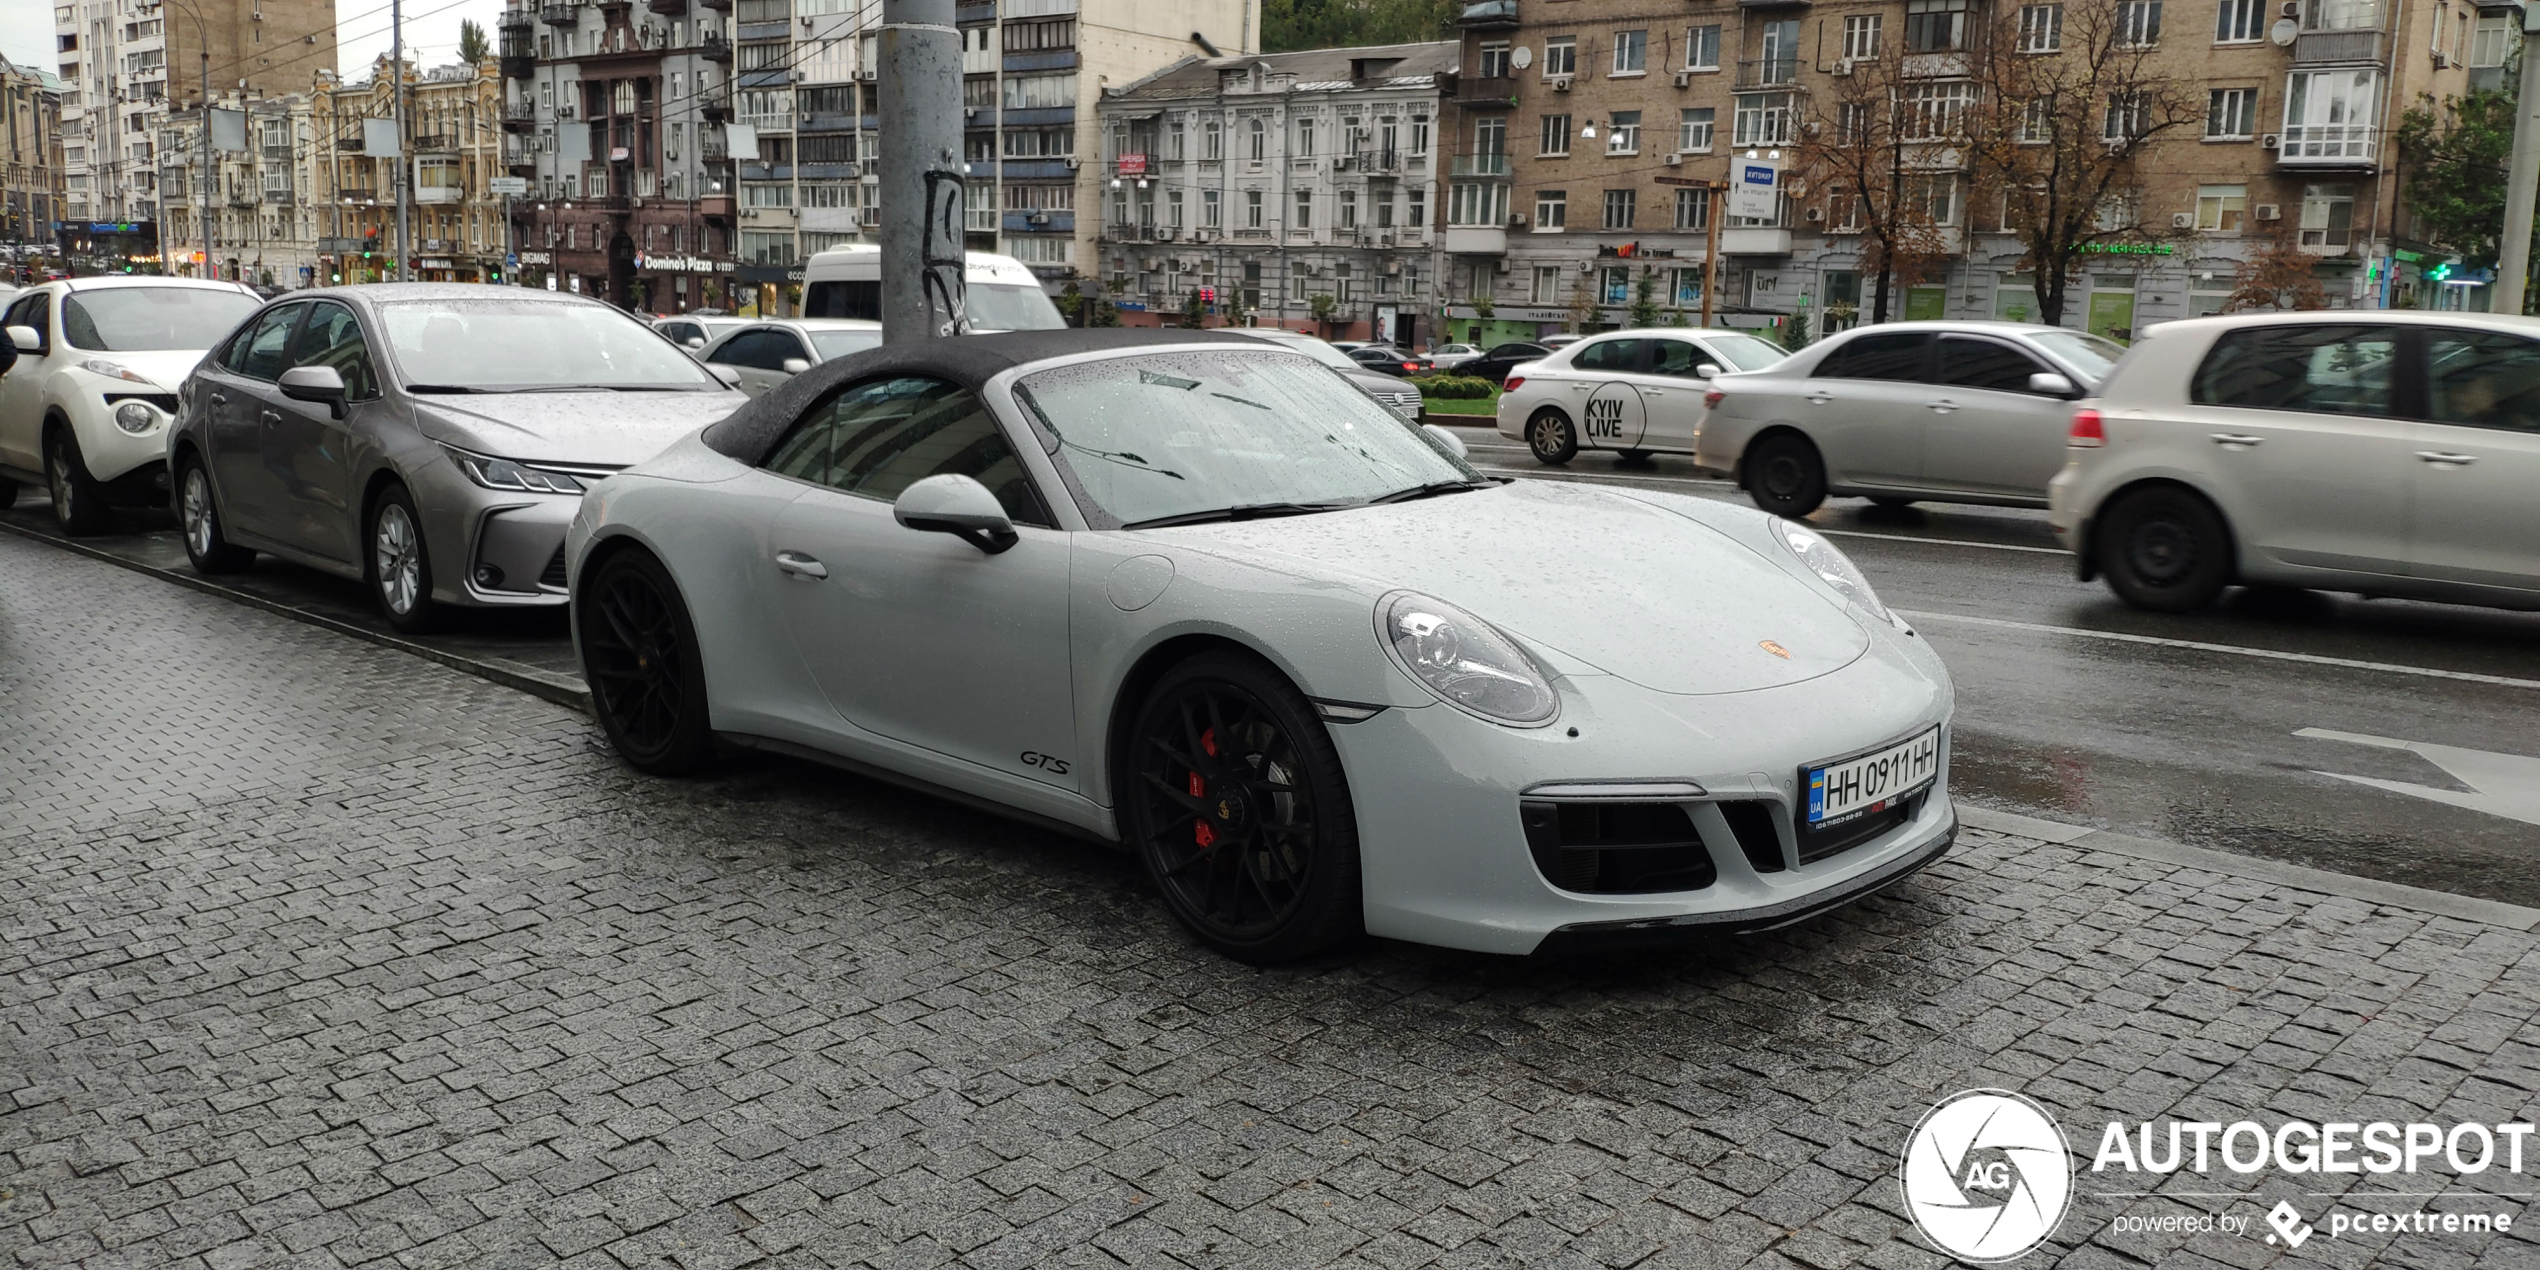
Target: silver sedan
(760,355)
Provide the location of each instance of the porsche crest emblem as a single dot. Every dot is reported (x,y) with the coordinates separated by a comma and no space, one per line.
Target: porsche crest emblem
(1773,648)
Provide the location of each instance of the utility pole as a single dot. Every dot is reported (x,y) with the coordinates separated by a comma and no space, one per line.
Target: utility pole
(397,112)
(922,187)
(2513,263)
(211,170)
(1717,196)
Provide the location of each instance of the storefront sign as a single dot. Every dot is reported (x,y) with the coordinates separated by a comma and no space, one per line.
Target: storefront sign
(674,264)
(429,263)
(2128,249)
(536,258)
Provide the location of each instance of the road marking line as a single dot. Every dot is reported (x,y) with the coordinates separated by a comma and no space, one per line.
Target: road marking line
(1842,533)
(2269,654)
(1939,542)
(2506,785)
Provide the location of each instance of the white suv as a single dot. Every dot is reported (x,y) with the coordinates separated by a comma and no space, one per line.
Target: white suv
(2382,452)
(85,411)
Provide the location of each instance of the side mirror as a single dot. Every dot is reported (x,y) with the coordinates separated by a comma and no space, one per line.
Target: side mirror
(25,338)
(794,366)
(696,341)
(731,378)
(954,504)
(1453,443)
(1707,370)
(2047,383)
(314,383)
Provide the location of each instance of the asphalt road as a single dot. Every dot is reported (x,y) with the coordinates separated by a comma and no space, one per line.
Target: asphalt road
(2073,707)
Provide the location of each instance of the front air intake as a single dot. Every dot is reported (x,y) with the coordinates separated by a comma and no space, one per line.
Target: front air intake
(1616,848)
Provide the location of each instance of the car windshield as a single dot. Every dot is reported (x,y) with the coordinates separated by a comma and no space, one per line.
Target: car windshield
(836,344)
(507,345)
(1745,352)
(1228,434)
(1006,306)
(144,319)
(2084,352)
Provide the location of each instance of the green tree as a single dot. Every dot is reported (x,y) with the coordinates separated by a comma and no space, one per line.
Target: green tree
(2452,156)
(473,46)
(1645,298)
(1290,25)
(1323,306)
(1194,310)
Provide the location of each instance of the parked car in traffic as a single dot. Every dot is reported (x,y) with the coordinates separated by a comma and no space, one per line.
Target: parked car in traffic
(1450,356)
(761,355)
(1495,364)
(1963,412)
(1401,398)
(2391,453)
(1000,293)
(1193,593)
(1637,392)
(1385,359)
(429,439)
(86,409)
(693,331)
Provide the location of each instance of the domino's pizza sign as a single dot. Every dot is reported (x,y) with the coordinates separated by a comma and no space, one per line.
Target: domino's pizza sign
(1755,189)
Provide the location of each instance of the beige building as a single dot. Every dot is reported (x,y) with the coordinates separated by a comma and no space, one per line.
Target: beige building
(1581,127)
(30,154)
(264,222)
(453,147)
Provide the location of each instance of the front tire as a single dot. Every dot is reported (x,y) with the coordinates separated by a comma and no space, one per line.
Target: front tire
(199,515)
(2165,550)
(8,493)
(1237,802)
(400,565)
(1551,437)
(79,507)
(1785,476)
(647,674)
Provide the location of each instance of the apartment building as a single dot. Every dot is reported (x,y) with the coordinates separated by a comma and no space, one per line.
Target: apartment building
(265,198)
(453,148)
(1585,130)
(125,63)
(31,154)
(1273,179)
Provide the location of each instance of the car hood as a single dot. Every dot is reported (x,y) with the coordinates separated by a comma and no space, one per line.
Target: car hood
(608,429)
(166,367)
(1625,587)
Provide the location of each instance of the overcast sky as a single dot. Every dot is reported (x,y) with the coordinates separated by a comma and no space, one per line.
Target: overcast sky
(432,30)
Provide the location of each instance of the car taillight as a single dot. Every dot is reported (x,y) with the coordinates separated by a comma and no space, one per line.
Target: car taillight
(1411,365)
(2086,433)
(1711,399)
(1513,383)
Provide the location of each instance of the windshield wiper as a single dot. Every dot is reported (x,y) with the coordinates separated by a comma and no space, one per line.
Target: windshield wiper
(1430,490)
(1241,511)
(441,388)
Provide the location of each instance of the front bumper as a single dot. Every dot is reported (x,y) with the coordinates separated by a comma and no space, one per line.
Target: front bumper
(133,465)
(508,547)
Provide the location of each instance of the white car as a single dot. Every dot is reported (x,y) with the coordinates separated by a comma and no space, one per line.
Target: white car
(86,410)
(1450,356)
(1962,412)
(693,331)
(1639,392)
(2386,452)
(761,355)
(1192,593)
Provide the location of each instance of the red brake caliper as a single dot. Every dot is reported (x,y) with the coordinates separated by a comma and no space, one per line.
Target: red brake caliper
(1201,832)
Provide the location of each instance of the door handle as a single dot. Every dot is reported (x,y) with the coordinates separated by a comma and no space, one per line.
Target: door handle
(270,416)
(1653,392)
(220,399)
(801,566)
(1819,399)
(2441,459)
(1943,406)
(2237,440)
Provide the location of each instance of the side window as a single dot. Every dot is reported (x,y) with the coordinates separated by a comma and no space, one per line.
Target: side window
(262,351)
(1989,364)
(35,311)
(877,439)
(783,345)
(1609,355)
(749,348)
(677,332)
(1898,356)
(333,337)
(2483,379)
(2333,369)
(1674,357)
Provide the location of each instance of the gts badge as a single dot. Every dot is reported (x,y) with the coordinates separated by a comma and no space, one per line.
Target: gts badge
(1049,763)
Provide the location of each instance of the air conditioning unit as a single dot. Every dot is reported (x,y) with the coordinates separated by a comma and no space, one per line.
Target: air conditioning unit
(1517,221)
(1843,66)
(1500,265)
(1393,267)
(865,73)
(1038,218)
(2290,8)
(1684,79)
(1072,162)
(1561,83)
(1202,236)
(564,111)
(2182,220)
(1675,160)
(2267,211)
(1816,214)
(2271,141)
(1340,163)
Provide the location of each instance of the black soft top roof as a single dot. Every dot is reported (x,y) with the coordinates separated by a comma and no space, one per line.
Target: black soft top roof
(749,433)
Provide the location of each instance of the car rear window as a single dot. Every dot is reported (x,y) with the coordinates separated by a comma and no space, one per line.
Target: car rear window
(2331,368)
(1893,356)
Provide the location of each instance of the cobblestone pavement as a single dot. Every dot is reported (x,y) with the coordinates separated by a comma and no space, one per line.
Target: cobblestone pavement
(316,954)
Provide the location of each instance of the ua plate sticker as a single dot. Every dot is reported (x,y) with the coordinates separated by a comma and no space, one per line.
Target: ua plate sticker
(1869,782)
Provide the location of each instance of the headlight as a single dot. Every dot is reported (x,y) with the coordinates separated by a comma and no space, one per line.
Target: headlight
(135,417)
(112,370)
(1466,661)
(1821,558)
(503,474)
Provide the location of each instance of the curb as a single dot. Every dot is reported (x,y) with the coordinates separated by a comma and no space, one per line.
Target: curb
(561,689)
(2298,877)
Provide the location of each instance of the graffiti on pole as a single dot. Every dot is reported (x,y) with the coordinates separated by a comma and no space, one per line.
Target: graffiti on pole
(941,251)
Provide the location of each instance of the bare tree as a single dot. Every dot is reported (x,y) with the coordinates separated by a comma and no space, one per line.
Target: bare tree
(2070,97)
(2278,275)
(1882,150)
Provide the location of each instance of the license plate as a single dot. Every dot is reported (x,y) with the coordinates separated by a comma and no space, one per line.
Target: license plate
(1869,782)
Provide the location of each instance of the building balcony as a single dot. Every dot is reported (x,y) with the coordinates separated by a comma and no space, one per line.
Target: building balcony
(2339,48)
(1476,240)
(2328,147)
(1495,90)
(718,206)
(1488,15)
(715,48)
(1768,72)
(667,8)
(518,65)
(1754,242)
(1478,165)
(516,19)
(519,116)
(719,6)
(715,111)
(431,194)
(436,143)
(714,152)
(559,14)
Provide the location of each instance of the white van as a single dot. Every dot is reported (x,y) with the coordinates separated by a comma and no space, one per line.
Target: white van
(1001,293)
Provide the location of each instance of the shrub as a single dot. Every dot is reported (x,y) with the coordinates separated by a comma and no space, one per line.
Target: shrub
(1453,387)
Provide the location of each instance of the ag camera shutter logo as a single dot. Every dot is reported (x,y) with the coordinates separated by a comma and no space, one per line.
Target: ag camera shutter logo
(1987,1175)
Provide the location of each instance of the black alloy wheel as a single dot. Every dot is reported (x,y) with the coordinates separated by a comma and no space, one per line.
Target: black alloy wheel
(2165,549)
(1238,805)
(1551,437)
(198,513)
(1784,475)
(640,656)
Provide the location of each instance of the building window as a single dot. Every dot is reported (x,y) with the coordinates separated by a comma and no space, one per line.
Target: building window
(1623,137)
(1490,134)
(1763,119)
(2042,27)
(1349,209)
(2220,207)
(1631,52)
(1472,203)
(2139,22)
(1561,56)
(1556,136)
(1173,208)
(1547,288)
(1861,36)
(1614,284)
(2492,42)
(1495,60)
(2240,21)
(1932,112)
(1935,26)
(2037,123)
(1252,209)
(1688,289)
(1693,209)
(1419,134)
(1211,214)
(2328,215)
(2329,115)
(1693,128)
(1304,210)
(1552,210)
(1259,142)
(1702,48)
(1304,139)
(2231,114)
(1173,138)
(1933,196)
(2124,119)
(1620,205)
(1212,141)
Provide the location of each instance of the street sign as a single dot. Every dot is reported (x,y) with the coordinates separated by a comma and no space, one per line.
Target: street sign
(1756,188)
(513,185)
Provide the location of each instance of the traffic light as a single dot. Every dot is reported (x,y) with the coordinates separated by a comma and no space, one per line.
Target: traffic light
(494,274)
